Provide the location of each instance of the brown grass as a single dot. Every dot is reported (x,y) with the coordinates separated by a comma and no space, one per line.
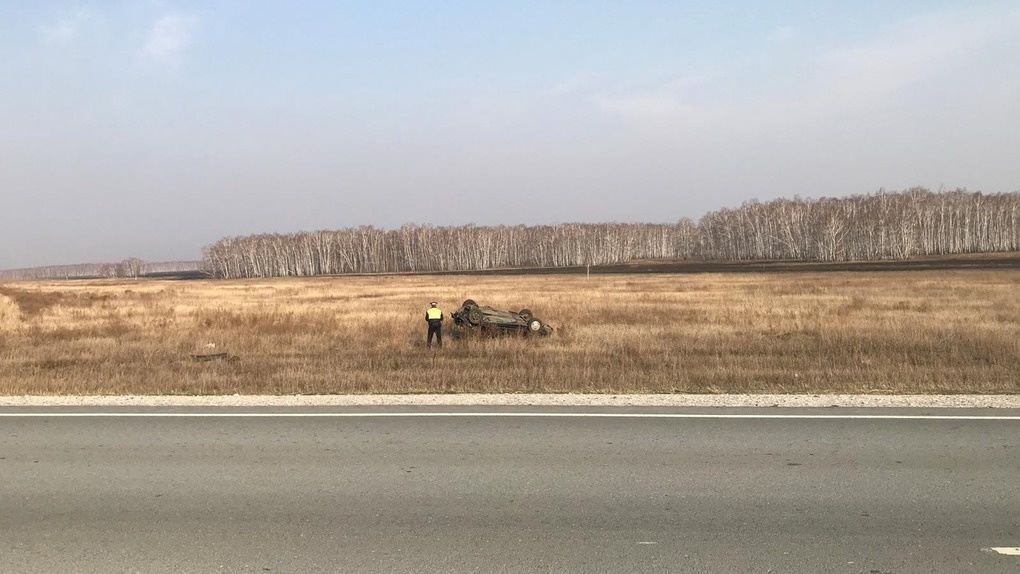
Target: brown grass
(939,331)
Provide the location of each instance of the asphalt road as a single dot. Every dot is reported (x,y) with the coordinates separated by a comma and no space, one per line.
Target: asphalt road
(510,493)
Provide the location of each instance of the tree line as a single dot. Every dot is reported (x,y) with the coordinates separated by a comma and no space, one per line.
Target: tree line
(864,228)
(130,267)
(884,225)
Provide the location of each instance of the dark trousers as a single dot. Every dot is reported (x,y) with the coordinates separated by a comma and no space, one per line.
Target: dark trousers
(435,328)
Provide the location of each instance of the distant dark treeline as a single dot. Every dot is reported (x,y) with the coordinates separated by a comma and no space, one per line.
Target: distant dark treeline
(858,228)
(128,268)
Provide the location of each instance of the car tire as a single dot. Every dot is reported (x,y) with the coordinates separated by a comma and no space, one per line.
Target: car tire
(527,315)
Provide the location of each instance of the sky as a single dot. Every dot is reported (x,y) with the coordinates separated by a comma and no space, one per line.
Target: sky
(150,128)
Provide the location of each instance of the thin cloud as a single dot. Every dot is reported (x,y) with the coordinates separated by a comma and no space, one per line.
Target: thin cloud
(863,76)
(647,106)
(782,35)
(878,73)
(169,37)
(66,30)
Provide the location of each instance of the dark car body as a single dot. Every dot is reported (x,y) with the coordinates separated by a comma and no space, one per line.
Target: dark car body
(472,315)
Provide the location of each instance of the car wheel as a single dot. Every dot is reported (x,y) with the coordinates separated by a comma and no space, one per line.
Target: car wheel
(535,325)
(527,315)
(475,316)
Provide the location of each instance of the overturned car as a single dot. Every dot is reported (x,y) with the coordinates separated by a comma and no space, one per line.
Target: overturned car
(470,314)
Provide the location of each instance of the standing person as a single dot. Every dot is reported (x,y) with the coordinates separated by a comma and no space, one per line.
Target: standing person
(434,317)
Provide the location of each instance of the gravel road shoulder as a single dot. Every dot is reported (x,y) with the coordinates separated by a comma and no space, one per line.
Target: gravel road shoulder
(678,400)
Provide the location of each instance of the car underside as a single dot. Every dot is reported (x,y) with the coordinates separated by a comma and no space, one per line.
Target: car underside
(472,315)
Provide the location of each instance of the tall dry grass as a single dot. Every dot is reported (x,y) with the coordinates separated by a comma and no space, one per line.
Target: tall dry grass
(888,332)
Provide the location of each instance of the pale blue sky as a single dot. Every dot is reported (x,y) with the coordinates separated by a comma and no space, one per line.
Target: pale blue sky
(151,128)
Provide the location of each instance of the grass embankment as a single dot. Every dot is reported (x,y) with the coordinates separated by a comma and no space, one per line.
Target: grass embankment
(889,332)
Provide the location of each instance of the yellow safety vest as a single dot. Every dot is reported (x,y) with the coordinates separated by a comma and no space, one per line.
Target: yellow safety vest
(434,313)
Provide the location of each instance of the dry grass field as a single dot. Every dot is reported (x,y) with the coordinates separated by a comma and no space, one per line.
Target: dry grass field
(928,331)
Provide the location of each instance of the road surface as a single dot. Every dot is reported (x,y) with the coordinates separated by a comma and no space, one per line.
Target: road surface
(493,489)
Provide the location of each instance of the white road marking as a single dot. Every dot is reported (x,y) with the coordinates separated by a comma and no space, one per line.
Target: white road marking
(395,414)
(1008,551)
